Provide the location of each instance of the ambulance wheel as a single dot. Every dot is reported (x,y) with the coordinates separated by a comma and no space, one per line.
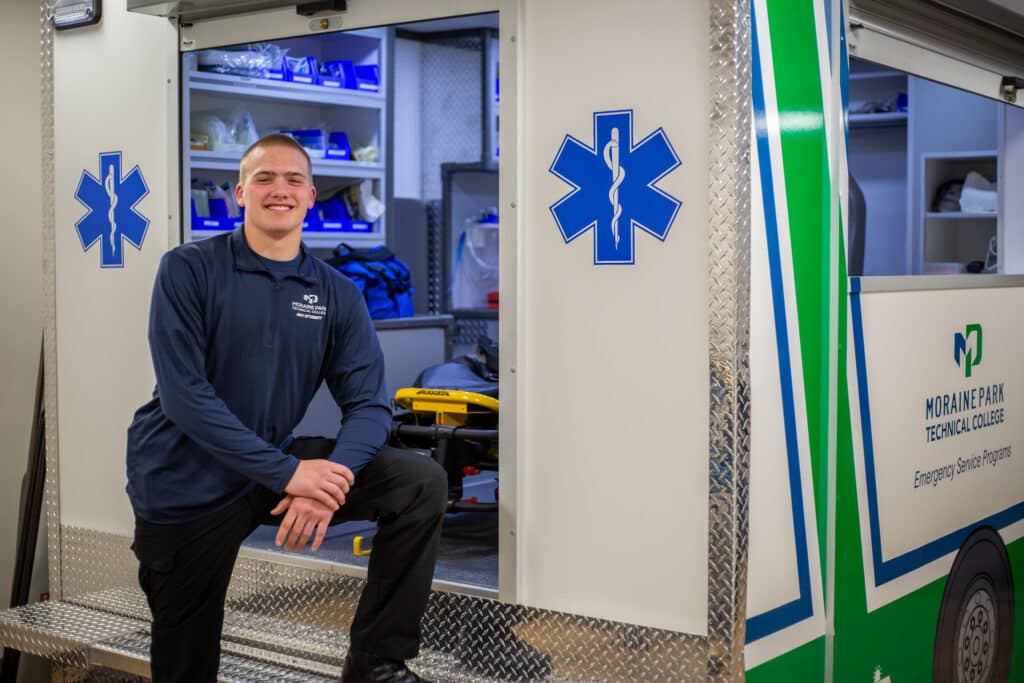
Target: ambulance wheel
(974,636)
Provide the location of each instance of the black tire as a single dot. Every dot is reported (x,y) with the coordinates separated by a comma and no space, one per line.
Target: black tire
(974,635)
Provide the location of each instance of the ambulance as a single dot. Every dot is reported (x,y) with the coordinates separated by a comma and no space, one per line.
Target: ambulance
(757,269)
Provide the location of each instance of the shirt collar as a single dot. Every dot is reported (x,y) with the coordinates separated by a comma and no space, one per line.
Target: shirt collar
(245,258)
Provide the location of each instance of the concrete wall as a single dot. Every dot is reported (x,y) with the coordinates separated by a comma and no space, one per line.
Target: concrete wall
(20,262)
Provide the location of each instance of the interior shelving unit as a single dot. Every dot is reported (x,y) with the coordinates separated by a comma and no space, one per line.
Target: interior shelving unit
(276,105)
(955,237)
(878,120)
(881,87)
(901,154)
(491,97)
(877,157)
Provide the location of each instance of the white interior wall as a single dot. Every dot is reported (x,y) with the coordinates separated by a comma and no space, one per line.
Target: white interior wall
(612,361)
(450,109)
(945,119)
(104,371)
(878,160)
(435,88)
(408,183)
(1011,207)
(20,262)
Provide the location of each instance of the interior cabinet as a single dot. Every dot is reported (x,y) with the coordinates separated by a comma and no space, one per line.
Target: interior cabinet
(908,136)
(952,239)
(878,97)
(280,104)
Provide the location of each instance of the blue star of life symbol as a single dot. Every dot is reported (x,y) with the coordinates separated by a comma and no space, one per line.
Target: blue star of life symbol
(112,217)
(613,187)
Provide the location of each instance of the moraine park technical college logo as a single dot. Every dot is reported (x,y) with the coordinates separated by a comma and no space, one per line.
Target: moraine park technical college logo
(112,218)
(967,348)
(613,187)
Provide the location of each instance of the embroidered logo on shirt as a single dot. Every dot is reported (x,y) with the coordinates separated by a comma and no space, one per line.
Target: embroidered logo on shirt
(309,308)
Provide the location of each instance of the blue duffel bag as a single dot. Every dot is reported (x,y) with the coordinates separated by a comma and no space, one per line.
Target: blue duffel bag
(382,277)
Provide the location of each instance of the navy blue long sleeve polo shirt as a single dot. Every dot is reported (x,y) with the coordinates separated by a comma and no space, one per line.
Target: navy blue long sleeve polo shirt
(238,354)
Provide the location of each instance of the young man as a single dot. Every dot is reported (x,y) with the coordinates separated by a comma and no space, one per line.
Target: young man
(243,328)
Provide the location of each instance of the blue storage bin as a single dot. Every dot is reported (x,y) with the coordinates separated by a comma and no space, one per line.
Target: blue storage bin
(311,139)
(367,77)
(333,209)
(338,147)
(207,223)
(357,226)
(346,225)
(338,74)
(302,70)
(218,207)
(312,222)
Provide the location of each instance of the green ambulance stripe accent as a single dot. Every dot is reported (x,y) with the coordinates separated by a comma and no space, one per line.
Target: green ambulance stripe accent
(808,197)
(1016,552)
(804,663)
(797,77)
(899,637)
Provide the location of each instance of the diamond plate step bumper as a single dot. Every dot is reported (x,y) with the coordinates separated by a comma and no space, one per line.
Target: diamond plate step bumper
(110,630)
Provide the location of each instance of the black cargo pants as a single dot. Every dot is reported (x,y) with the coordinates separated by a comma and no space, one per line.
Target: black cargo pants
(184,569)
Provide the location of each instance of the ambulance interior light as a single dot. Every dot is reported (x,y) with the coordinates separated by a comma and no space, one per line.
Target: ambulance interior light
(74,13)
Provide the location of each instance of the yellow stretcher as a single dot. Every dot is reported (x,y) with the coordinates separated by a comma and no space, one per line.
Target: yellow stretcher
(459,429)
(447,406)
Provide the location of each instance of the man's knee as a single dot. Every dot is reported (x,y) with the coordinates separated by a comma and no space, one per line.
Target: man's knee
(436,486)
(429,479)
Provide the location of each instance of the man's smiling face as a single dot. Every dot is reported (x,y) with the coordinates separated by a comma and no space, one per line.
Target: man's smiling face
(275,189)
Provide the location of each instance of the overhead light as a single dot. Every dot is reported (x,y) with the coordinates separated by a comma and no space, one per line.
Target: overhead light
(72,13)
(308,9)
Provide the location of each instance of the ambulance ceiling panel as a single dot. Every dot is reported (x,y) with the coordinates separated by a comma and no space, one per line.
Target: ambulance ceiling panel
(474,21)
(985,34)
(195,10)
(1006,14)
(191,10)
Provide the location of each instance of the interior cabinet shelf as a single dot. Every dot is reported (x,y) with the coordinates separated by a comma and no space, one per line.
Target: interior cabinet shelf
(326,168)
(960,215)
(314,240)
(264,89)
(955,236)
(882,119)
(877,74)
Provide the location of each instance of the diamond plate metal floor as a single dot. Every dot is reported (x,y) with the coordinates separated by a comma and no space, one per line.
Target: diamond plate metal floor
(109,631)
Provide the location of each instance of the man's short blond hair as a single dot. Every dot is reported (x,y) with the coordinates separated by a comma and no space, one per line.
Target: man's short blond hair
(273,140)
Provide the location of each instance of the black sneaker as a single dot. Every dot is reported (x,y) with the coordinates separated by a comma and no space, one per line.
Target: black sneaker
(366,668)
